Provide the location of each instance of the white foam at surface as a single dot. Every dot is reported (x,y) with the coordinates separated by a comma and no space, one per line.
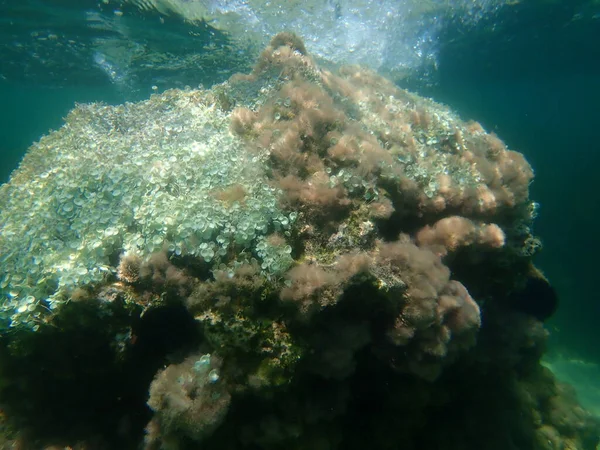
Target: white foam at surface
(387,35)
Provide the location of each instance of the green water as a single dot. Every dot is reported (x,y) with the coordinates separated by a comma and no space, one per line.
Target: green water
(28,112)
(533,80)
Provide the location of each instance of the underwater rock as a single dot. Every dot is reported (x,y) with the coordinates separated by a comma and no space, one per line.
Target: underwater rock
(305,226)
(537,297)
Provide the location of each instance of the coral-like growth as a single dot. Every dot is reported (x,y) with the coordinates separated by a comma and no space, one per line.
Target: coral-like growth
(162,274)
(449,234)
(129,268)
(156,273)
(189,399)
(436,315)
(313,288)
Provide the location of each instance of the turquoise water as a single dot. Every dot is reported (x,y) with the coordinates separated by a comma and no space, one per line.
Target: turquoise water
(527,71)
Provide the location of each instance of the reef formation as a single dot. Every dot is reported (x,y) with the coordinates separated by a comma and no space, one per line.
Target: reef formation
(296,258)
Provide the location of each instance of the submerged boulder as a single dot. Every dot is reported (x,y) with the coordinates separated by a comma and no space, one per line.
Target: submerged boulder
(298,258)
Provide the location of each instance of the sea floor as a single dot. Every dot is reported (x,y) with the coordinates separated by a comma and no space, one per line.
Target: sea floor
(584,376)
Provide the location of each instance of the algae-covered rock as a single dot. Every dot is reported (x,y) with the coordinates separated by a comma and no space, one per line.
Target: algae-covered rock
(297,258)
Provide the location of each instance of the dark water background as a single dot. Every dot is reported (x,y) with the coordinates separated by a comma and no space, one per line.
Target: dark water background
(536,83)
(530,73)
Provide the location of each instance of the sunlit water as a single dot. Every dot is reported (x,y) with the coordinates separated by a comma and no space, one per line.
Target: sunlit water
(134,43)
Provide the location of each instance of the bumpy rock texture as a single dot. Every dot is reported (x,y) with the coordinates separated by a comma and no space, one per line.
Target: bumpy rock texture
(293,259)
